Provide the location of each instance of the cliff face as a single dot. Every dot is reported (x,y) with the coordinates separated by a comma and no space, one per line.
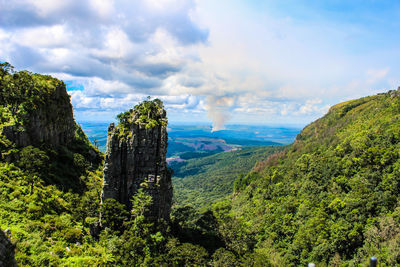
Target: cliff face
(49,175)
(6,252)
(46,113)
(136,158)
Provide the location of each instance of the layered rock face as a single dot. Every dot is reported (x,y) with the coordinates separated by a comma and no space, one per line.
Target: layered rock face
(52,122)
(136,158)
(6,252)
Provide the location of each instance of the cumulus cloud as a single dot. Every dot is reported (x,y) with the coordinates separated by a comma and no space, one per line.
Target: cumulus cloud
(104,36)
(119,51)
(218,58)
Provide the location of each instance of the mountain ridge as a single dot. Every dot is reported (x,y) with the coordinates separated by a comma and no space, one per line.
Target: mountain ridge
(327,194)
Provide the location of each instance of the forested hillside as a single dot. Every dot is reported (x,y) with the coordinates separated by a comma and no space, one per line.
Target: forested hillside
(201,181)
(331,198)
(50,186)
(50,174)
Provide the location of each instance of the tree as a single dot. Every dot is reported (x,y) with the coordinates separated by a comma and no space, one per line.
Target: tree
(141,202)
(149,113)
(188,254)
(6,68)
(141,242)
(113,215)
(35,162)
(124,118)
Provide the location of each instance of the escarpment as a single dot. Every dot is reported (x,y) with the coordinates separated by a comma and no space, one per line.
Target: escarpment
(136,158)
(36,110)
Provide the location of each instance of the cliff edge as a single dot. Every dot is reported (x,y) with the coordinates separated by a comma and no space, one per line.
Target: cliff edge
(35,109)
(136,158)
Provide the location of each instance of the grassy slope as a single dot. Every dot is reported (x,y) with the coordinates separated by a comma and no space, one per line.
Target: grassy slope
(333,197)
(201,181)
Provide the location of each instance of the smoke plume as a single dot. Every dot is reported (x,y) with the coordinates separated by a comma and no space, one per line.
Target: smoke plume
(219,109)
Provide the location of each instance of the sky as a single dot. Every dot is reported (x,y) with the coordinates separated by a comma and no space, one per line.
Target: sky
(248,62)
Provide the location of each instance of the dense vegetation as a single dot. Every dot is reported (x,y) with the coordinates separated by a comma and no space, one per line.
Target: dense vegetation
(201,181)
(148,113)
(331,198)
(48,195)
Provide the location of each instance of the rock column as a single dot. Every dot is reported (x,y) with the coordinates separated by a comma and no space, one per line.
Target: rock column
(136,158)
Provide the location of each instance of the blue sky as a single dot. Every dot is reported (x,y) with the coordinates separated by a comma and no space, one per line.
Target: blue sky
(253,62)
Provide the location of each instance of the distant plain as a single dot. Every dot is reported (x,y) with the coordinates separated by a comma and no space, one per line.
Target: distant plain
(205,164)
(184,138)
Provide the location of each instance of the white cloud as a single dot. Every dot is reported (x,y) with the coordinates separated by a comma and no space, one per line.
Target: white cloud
(46,7)
(375,75)
(116,45)
(222,58)
(43,37)
(103,8)
(310,106)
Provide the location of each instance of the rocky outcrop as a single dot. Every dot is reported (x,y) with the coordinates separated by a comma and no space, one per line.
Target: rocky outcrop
(6,251)
(136,158)
(51,122)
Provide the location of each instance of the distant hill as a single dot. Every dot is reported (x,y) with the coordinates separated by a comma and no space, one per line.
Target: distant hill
(201,181)
(97,133)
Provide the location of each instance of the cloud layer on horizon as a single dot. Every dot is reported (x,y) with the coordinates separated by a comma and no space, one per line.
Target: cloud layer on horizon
(227,60)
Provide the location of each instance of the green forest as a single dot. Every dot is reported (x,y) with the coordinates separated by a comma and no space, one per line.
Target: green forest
(201,181)
(331,198)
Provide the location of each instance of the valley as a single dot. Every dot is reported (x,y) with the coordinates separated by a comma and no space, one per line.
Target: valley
(199,133)
(205,164)
(232,197)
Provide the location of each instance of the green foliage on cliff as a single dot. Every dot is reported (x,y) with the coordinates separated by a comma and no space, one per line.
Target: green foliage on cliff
(331,198)
(48,194)
(23,92)
(44,220)
(149,113)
